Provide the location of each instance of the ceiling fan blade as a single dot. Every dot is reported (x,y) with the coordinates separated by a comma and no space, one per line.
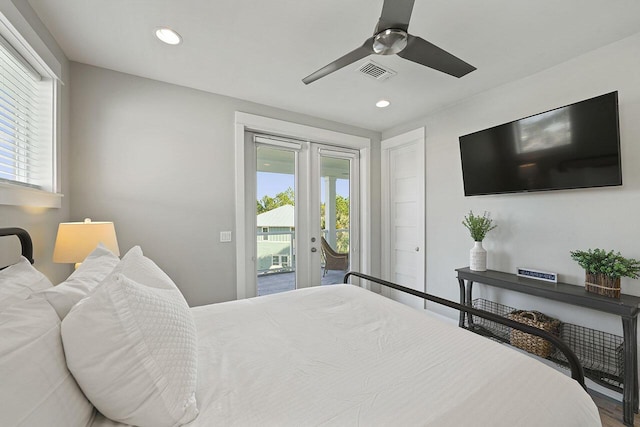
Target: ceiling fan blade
(422,52)
(395,14)
(351,57)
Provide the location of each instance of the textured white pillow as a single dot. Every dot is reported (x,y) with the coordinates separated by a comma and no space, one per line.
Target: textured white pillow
(82,281)
(36,388)
(19,281)
(132,348)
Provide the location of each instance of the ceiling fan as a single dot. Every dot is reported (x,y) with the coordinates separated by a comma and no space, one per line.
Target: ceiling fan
(391,37)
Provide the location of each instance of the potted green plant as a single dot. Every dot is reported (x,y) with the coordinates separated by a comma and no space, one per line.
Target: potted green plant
(603,270)
(478,226)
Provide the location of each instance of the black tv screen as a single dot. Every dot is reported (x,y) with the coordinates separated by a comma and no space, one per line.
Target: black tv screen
(575,146)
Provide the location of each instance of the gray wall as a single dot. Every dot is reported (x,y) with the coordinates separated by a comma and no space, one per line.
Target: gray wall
(41,223)
(158,160)
(536,230)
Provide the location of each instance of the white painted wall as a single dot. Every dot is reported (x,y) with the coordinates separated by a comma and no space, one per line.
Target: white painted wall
(158,160)
(41,223)
(535,230)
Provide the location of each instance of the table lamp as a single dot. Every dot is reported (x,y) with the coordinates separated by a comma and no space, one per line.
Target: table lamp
(76,240)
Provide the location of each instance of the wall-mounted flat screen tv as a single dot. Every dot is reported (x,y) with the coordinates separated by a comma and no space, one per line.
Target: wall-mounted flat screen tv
(575,146)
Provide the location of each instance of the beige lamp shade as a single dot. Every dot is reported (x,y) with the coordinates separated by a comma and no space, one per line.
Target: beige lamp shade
(76,240)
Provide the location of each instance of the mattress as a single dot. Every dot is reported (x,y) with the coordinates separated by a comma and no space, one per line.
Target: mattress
(344,356)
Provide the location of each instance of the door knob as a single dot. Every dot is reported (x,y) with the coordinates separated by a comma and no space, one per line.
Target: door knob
(314,250)
(417,248)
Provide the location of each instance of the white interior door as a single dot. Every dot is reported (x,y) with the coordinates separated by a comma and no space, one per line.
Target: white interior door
(403,214)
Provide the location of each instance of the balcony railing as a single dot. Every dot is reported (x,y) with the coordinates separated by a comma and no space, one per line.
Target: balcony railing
(276,249)
(275,252)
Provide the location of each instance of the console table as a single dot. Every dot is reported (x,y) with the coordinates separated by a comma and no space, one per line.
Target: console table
(627,307)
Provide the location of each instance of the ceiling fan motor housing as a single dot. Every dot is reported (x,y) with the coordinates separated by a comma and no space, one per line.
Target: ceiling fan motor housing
(390,41)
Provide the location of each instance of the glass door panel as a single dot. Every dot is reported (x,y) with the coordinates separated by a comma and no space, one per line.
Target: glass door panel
(306,228)
(335,217)
(275,219)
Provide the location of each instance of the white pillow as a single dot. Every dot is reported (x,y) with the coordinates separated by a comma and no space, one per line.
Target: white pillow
(132,348)
(36,388)
(19,281)
(82,281)
(141,269)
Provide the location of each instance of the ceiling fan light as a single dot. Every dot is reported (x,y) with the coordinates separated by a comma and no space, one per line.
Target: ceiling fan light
(383,103)
(390,41)
(168,36)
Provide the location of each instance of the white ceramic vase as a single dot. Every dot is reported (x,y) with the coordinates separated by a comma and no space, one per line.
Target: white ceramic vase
(478,258)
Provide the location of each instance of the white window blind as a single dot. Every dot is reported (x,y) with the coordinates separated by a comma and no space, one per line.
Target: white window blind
(25,141)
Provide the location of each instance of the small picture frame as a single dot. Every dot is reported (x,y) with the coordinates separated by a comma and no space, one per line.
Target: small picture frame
(530,273)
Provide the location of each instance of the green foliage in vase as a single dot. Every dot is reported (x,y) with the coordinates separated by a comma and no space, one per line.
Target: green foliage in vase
(478,225)
(612,264)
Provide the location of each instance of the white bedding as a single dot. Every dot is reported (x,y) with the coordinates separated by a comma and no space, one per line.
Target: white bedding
(340,355)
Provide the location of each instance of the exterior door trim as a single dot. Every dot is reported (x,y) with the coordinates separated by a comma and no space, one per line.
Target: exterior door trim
(245,264)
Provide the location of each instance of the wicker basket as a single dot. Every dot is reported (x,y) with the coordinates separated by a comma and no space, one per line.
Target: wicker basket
(602,285)
(531,343)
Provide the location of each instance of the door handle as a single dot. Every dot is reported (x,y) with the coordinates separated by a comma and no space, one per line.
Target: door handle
(314,250)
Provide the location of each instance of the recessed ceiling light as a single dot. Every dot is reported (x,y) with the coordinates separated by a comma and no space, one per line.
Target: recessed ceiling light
(382,103)
(168,36)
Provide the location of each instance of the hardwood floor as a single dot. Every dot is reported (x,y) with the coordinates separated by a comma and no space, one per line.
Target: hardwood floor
(611,411)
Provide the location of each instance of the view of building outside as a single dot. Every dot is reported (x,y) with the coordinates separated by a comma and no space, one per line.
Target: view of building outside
(276,220)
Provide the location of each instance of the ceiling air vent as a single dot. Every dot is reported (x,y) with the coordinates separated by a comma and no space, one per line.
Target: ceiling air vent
(376,71)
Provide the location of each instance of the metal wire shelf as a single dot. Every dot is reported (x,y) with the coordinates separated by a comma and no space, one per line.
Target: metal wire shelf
(600,353)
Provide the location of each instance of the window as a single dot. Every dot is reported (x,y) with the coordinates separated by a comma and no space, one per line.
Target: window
(26,122)
(280,260)
(265,230)
(30,79)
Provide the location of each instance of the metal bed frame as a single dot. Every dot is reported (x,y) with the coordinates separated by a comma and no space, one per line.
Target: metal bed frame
(577,372)
(25,240)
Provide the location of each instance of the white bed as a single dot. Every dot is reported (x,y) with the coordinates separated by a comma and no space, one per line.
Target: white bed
(341,355)
(118,337)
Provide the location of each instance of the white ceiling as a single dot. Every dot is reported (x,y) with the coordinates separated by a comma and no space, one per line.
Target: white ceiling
(260,50)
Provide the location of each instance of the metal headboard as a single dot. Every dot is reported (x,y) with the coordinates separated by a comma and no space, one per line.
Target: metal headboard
(25,240)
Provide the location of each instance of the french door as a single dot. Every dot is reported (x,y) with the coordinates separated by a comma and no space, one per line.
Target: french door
(306,210)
